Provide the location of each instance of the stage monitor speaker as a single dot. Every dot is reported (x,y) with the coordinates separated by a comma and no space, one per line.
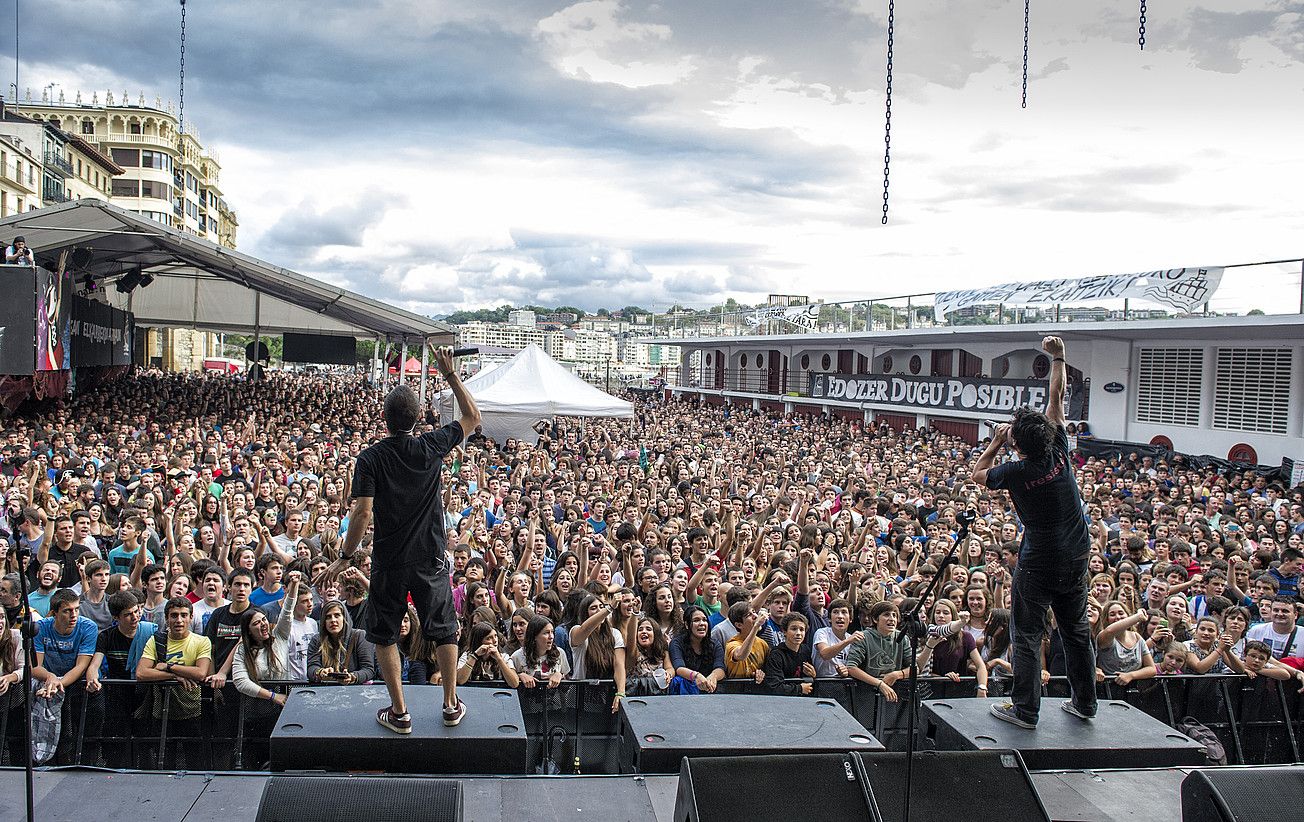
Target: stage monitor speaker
(348,798)
(748,788)
(1243,794)
(854,786)
(944,778)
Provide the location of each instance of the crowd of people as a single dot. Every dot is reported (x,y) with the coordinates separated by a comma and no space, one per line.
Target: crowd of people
(175,531)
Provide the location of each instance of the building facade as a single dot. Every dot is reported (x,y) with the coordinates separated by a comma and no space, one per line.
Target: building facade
(169,176)
(1231,387)
(136,156)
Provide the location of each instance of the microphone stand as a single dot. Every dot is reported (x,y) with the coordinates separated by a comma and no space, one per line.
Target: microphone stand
(26,631)
(913,628)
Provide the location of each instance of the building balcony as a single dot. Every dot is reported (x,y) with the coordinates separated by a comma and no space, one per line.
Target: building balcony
(58,164)
(14,176)
(51,195)
(115,138)
(177,208)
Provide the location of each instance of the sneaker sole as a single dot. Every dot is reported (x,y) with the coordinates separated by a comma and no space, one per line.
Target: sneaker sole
(453,723)
(396,729)
(1013,720)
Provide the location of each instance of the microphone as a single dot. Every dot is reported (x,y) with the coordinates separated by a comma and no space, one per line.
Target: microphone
(988,423)
(465,352)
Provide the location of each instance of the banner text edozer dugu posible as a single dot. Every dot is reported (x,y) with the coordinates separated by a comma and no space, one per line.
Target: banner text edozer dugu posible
(955,393)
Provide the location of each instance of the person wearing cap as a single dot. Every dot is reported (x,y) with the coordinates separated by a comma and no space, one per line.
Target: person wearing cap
(19,253)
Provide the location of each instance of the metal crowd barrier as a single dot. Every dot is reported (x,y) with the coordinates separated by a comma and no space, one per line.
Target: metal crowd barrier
(1259,721)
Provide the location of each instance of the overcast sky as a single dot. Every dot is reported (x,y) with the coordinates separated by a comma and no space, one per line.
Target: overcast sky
(447,155)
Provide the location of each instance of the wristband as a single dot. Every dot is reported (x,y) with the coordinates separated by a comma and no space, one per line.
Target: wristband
(1058,359)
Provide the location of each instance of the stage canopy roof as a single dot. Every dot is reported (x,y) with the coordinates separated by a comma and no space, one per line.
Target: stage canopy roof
(198,284)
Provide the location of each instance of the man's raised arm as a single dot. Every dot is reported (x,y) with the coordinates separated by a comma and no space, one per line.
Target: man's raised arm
(1055,402)
(470,416)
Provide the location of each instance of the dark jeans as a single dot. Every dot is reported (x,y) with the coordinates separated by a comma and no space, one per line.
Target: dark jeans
(1063,590)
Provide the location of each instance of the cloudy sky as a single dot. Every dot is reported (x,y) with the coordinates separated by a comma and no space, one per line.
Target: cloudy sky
(447,155)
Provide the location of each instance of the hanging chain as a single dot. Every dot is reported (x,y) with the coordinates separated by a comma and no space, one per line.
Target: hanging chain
(1026,3)
(887,116)
(1142,28)
(181,116)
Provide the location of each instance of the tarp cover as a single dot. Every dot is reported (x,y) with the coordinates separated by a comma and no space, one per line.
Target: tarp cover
(530,387)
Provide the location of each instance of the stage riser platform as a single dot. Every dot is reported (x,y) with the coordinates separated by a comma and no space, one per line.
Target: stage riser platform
(334,729)
(1120,736)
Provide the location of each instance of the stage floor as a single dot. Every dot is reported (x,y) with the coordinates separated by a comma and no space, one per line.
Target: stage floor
(108,796)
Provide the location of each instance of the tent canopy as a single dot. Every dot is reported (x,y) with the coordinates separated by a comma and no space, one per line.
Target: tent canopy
(530,387)
(199,284)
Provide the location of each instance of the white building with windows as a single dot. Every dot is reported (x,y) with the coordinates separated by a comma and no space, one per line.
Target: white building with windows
(1230,387)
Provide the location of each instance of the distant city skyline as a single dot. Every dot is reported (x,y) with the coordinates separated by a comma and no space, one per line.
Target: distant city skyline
(607,153)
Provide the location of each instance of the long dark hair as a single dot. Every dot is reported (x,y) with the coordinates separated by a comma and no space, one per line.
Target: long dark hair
(255,648)
(697,660)
(650,609)
(537,626)
(600,648)
(8,647)
(998,632)
(482,669)
(656,654)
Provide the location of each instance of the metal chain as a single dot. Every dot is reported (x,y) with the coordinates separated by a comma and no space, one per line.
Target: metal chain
(887,116)
(181,116)
(1142,28)
(1026,4)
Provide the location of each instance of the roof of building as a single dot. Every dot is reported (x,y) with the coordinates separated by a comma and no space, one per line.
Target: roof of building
(1265,327)
(199,284)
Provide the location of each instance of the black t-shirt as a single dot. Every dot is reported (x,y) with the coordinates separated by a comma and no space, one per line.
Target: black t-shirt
(401,474)
(1045,494)
(116,648)
(70,575)
(223,630)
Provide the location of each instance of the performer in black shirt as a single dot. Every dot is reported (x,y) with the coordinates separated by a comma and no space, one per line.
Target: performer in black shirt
(1052,568)
(399,478)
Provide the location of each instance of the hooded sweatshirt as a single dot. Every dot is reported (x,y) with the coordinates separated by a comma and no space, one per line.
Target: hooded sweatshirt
(358,654)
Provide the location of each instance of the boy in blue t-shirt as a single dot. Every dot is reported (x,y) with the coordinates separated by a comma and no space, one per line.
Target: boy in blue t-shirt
(122,558)
(64,645)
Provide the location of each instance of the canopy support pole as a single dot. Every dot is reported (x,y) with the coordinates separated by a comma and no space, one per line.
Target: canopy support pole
(402,365)
(258,327)
(377,359)
(425,369)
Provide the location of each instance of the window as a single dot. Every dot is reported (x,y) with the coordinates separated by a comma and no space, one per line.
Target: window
(1169,385)
(155,159)
(126,188)
(1252,389)
(126,157)
(88,127)
(149,188)
(134,128)
(916,364)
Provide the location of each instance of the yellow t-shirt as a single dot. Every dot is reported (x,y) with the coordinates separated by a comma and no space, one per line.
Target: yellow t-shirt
(186,651)
(184,702)
(751,663)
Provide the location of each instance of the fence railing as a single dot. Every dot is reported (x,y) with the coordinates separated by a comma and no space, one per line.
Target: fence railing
(1259,721)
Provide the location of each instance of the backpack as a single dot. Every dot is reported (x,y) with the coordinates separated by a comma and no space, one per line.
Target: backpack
(1197,730)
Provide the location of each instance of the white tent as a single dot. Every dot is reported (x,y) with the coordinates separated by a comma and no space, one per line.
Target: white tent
(530,387)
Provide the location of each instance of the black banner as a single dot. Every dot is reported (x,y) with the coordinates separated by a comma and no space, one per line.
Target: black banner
(17,320)
(319,348)
(978,396)
(53,349)
(101,334)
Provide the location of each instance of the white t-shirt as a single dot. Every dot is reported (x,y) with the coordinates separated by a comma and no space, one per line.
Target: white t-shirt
(201,611)
(828,667)
(301,634)
(1264,632)
(577,651)
(541,669)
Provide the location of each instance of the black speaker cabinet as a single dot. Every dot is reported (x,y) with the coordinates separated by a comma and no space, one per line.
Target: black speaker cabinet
(1274,794)
(350,798)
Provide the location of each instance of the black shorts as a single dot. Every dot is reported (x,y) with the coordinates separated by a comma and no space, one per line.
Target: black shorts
(432,594)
